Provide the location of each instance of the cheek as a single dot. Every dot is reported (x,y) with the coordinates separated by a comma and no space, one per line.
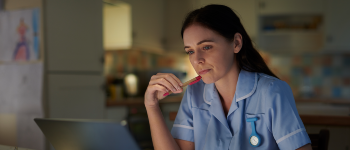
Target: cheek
(223,60)
(228,58)
(192,62)
(224,64)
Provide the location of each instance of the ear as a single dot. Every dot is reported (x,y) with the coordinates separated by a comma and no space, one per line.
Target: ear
(237,42)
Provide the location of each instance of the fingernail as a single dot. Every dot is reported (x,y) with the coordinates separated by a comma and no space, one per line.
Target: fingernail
(166,94)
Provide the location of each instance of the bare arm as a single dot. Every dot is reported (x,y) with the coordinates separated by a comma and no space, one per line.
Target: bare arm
(185,145)
(161,136)
(305,147)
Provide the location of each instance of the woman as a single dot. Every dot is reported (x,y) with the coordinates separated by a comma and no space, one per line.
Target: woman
(239,104)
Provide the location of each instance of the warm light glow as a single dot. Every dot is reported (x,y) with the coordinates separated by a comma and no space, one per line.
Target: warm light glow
(191,73)
(131,84)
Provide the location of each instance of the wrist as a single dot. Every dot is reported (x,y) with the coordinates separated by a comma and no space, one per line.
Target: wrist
(151,105)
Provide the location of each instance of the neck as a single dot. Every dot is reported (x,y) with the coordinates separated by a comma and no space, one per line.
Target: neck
(226,86)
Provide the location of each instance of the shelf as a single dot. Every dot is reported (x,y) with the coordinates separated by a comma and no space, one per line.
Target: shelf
(140,101)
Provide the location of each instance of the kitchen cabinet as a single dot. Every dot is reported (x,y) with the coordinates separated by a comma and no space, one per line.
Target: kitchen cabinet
(73,74)
(175,12)
(147,24)
(76,96)
(337,32)
(73,35)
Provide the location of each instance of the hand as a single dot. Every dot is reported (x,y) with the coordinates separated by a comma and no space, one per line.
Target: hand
(160,84)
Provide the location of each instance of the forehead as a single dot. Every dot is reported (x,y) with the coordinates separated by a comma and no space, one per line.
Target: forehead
(195,33)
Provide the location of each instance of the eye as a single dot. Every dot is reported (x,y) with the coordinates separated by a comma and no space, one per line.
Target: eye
(207,47)
(189,52)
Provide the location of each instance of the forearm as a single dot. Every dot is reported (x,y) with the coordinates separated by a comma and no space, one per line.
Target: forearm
(161,137)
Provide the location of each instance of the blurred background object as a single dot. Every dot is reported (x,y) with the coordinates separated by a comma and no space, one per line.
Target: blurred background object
(97,58)
(1,5)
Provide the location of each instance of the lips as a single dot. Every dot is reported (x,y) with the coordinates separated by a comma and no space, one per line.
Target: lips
(204,71)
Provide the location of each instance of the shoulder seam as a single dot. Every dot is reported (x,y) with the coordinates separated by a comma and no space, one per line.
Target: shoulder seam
(267,76)
(264,98)
(251,92)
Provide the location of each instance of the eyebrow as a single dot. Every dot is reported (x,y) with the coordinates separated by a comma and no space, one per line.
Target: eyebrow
(200,42)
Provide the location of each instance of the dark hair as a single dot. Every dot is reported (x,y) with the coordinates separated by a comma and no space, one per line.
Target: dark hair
(224,21)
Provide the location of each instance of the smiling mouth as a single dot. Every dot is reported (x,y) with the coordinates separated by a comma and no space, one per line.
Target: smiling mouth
(204,71)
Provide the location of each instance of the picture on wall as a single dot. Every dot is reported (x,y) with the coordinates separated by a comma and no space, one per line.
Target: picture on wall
(19,35)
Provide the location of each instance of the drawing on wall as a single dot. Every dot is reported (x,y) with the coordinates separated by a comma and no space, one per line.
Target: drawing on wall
(19,35)
(22,49)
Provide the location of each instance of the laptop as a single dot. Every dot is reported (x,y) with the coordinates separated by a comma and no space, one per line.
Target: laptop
(74,134)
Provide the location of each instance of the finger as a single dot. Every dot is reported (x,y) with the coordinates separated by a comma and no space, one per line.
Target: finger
(164,82)
(170,77)
(177,80)
(158,75)
(154,91)
(160,88)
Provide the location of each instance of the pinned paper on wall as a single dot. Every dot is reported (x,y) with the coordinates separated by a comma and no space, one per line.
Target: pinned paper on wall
(29,134)
(19,35)
(21,88)
(21,95)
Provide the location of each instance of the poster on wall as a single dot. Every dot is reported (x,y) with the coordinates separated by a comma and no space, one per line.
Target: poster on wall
(19,35)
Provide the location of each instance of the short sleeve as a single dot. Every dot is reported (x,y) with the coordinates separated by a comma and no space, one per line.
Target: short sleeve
(284,120)
(183,124)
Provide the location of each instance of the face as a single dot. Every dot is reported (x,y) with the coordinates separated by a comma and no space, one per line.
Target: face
(210,54)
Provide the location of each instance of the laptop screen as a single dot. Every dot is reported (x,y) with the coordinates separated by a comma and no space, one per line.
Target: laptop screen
(74,134)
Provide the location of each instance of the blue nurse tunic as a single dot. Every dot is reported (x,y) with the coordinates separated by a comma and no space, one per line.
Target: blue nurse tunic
(201,119)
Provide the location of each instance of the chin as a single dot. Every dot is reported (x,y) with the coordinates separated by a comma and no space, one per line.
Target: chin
(208,80)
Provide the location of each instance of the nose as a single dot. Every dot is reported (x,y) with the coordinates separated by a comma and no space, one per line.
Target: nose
(198,58)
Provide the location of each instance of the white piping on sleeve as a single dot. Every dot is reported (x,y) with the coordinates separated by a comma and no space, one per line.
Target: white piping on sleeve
(289,135)
(183,126)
